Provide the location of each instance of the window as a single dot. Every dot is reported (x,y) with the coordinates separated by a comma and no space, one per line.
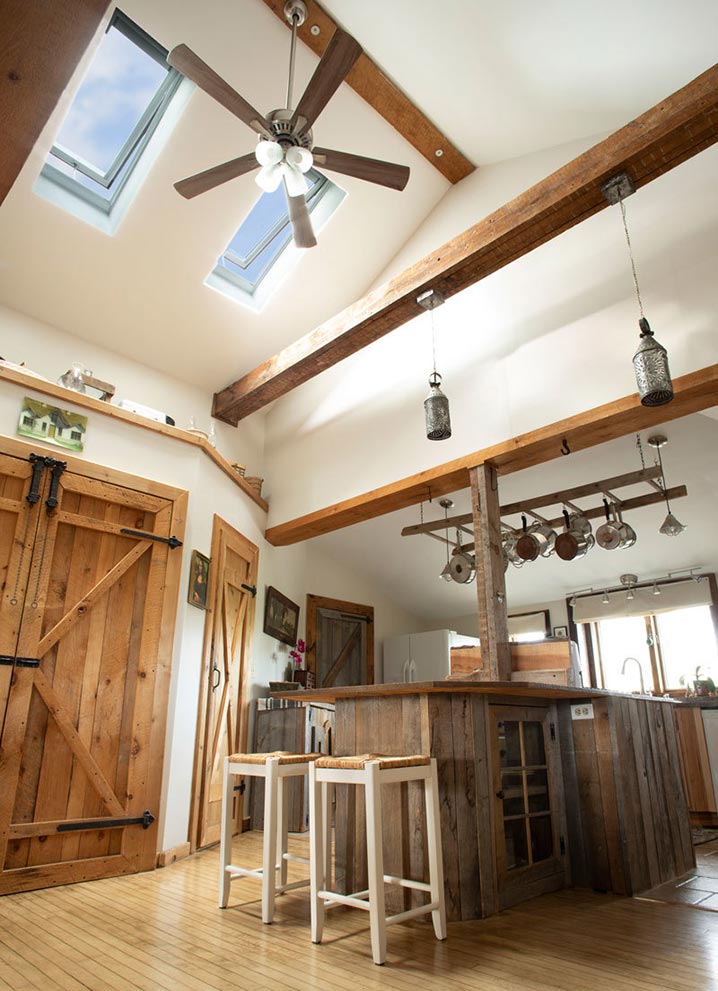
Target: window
(118,108)
(75,435)
(668,646)
(256,258)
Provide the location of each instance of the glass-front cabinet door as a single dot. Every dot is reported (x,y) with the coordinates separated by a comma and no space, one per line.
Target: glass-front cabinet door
(530,850)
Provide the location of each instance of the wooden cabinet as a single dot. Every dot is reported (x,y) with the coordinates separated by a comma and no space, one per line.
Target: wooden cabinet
(695,761)
(90,582)
(530,849)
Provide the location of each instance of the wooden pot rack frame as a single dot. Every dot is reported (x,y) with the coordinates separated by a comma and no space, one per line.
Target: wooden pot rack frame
(565,497)
(64,395)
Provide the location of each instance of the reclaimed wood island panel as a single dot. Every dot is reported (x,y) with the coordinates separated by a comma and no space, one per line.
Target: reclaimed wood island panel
(532,798)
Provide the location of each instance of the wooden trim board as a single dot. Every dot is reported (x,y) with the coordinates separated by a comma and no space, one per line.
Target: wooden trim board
(171,856)
(316,602)
(367,79)
(692,393)
(42,44)
(673,131)
(59,392)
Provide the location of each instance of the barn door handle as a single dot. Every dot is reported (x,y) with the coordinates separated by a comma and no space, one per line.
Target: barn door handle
(38,466)
(56,470)
(216,671)
(250,588)
(500,793)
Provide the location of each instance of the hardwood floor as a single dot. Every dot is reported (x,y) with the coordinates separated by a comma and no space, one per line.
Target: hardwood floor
(162,931)
(699,887)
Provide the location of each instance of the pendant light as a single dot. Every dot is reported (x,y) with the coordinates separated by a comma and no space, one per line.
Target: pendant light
(671,527)
(446,505)
(436,405)
(650,362)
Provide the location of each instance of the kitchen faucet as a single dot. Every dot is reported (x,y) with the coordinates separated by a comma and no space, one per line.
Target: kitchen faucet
(640,671)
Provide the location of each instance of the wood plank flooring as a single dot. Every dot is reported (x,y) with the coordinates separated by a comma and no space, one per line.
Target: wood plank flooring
(698,887)
(162,931)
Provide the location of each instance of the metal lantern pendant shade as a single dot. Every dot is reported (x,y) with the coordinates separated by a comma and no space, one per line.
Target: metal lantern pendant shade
(651,366)
(436,411)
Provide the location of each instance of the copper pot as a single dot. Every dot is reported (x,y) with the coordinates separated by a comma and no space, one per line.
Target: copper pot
(528,547)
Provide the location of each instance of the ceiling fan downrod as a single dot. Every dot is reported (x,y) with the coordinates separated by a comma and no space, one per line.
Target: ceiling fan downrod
(295,12)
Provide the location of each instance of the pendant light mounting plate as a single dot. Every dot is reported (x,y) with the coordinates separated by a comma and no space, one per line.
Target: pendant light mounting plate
(430,299)
(446,503)
(657,441)
(618,188)
(295,11)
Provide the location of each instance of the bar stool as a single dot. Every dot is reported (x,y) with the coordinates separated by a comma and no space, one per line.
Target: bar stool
(276,768)
(372,771)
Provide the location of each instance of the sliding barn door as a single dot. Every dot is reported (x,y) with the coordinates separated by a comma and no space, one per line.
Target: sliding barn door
(90,591)
(222,721)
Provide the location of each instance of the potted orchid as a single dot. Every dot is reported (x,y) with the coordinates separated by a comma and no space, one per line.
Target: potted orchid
(301,675)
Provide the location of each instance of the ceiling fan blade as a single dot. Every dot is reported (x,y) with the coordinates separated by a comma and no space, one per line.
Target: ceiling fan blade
(369,169)
(185,61)
(300,221)
(204,181)
(339,56)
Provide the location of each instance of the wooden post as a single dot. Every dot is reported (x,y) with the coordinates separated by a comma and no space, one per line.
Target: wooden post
(490,584)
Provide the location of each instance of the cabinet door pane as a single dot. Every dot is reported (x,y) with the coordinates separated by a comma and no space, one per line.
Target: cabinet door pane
(537,783)
(516,845)
(509,744)
(534,751)
(513,789)
(541,838)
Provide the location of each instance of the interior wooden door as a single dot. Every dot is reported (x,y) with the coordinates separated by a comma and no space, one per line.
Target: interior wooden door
(340,642)
(222,721)
(83,731)
(528,797)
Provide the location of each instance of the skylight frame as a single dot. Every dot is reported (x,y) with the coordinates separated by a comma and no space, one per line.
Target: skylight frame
(125,161)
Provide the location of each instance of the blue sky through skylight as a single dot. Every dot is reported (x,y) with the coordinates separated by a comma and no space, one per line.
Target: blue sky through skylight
(119,84)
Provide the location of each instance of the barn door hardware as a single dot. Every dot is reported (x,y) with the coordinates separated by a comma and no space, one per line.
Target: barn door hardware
(172,541)
(241,787)
(56,470)
(38,466)
(250,588)
(20,662)
(145,820)
(552,730)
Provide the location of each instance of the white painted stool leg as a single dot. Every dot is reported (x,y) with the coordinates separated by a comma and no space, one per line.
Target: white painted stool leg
(375,862)
(327,800)
(433,838)
(317,792)
(269,863)
(282,828)
(225,842)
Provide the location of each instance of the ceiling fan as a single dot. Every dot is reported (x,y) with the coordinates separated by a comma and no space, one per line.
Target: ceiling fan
(285,150)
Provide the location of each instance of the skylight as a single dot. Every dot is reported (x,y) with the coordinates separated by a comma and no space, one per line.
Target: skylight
(118,107)
(260,252)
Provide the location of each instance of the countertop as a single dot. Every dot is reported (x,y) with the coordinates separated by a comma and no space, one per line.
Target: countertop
(701,702)
(518,688)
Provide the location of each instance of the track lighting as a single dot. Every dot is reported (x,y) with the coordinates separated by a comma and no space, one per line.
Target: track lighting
(605,599)
(656,589)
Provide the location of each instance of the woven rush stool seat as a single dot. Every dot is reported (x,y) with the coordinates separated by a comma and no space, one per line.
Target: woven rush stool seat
(276,768)
(358,762)
(371,771)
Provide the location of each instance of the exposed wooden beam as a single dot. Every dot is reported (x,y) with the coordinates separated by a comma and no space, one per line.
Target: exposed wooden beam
(692,393)
(490,577)
(40,46)
(681,126)
(551,499)
(367,79)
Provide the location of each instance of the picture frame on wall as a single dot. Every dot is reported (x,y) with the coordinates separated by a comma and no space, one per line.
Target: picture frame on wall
(561,632)
(281,617)
(198,580)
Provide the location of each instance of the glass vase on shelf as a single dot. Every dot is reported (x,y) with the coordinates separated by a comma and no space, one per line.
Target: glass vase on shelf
(73,378)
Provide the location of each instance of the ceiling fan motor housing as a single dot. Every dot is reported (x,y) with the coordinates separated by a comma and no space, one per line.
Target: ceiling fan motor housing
(285,134)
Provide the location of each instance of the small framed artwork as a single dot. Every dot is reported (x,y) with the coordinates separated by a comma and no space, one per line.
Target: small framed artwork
(561,632)
(198,580)
(281,617)
(52,425)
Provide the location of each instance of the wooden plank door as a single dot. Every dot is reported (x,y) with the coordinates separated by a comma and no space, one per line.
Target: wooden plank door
(340,642)
(83,736)
(528,797)
(222,718)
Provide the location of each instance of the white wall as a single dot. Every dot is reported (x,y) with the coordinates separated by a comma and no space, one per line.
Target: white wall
(295,570)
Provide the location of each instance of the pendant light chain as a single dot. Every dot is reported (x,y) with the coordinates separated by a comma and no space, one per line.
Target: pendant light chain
(630,255)
(433,341)
(639,445)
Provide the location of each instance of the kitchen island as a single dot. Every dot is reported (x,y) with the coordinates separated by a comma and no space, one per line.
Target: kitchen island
(541,787)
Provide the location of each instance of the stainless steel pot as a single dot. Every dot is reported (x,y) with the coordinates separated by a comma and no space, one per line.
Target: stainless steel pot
(609,535)
(576,540)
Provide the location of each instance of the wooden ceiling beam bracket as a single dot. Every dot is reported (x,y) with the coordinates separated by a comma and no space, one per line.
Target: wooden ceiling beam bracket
(691,393)
(675,130)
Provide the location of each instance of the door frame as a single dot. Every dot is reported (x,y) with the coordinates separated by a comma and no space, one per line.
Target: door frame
(316,602)
(178,498)
(220,529)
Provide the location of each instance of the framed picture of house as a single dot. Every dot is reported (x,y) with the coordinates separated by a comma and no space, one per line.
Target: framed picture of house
(52,425)
(281,617)
(198,580)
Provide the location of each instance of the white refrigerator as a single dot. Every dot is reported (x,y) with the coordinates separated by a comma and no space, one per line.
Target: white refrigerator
(422,656)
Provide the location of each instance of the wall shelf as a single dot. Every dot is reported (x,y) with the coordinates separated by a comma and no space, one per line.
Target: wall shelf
(64,395)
